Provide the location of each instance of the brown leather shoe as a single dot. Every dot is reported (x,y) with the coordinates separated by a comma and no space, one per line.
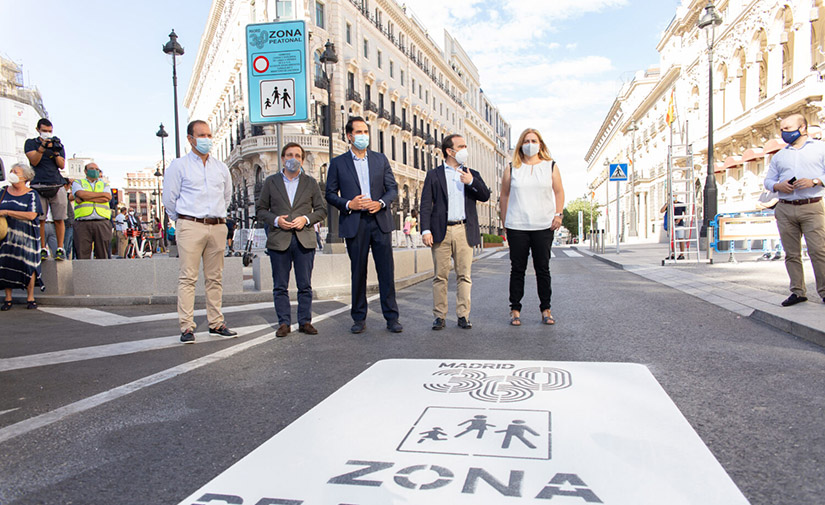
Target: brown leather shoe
(308,329)
(282,331)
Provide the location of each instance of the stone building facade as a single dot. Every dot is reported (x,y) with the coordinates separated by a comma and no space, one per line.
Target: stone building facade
(389,71)
(769,62)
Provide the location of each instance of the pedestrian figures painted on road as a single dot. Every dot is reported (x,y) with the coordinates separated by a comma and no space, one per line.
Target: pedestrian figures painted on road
(361,185)
(19,259)
(517,429)
(532,202)
(197,190)
(433,434)
(449,223)
(291,204)
(797,173)
(478,424)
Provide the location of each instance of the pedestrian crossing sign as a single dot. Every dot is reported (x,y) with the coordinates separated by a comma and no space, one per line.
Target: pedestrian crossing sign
(618,172)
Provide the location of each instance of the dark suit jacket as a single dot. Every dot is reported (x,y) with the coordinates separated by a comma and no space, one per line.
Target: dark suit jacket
(434,205)
(274,202)
(343,186)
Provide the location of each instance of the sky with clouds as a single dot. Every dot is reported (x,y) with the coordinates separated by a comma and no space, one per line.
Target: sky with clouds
(555,65)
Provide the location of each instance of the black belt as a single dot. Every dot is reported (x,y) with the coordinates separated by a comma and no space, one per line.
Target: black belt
(204,220)
(803,201)
(453,223)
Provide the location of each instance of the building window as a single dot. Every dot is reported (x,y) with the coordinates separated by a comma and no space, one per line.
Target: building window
(349,34)
(319,15)
(404,153)
(401,77)
(392,147)
(366,49)
(378,58)
(392,72)
(285,9)
(381,142)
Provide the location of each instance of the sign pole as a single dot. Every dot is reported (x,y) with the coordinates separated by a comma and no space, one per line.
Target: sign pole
(618,224)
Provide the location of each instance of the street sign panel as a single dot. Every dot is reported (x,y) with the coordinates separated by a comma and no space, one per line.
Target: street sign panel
(276,62)
(618,172)
(459,432)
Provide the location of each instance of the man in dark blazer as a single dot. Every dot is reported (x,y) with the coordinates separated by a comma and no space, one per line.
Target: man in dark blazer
(291,204)
(361,185)
(449,221)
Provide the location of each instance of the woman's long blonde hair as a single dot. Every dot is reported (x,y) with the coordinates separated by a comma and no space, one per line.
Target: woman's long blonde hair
(518,156)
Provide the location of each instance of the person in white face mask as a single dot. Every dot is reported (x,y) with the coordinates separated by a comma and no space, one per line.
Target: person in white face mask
(19,259)
(449,221)
(291,203)
(532,201)
(197,189)
(48,157)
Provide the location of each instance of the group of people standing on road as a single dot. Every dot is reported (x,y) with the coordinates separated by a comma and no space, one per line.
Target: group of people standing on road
(361,185)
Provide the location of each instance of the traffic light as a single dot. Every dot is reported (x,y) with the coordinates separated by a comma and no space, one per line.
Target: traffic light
(115,199)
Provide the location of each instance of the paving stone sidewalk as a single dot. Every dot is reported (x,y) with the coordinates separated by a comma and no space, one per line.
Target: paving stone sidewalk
(749,287)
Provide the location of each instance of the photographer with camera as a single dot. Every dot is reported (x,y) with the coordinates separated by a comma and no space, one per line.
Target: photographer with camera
(48,157)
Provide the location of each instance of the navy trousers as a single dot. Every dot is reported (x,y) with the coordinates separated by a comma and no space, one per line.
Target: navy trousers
(369,236)
(302,259)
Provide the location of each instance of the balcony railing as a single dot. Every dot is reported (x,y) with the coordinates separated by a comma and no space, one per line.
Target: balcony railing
(353,96)
(406,126)
(370,106)
(395,120)
(409,53)
(321,82)
(418,132)
(384,114)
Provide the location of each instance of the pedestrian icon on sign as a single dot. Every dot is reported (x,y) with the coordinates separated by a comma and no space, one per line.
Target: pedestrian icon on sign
(274,93)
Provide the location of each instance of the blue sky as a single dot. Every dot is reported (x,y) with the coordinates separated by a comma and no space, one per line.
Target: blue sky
(555,65)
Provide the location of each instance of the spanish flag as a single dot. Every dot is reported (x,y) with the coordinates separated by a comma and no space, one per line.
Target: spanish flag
(671,110)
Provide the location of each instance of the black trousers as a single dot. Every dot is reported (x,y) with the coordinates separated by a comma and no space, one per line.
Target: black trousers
(523,243)
(371,237)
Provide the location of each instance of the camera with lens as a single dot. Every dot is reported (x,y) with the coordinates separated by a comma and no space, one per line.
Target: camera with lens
(55,145)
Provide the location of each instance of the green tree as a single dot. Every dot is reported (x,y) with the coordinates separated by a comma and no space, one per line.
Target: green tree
(570,220)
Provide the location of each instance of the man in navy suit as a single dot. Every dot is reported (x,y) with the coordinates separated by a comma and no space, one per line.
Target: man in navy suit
(449,221)
(361,185)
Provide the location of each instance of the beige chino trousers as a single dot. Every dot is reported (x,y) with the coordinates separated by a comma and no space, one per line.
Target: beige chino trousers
(453,246)
(196,242)
(794,222)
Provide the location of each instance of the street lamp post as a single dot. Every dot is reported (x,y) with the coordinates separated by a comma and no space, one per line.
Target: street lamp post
(633,128)
(162,135)
(329,59)
(607,196)
(708,22)
(173,48)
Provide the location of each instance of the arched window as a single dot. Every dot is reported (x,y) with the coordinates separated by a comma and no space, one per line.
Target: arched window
(786,39)
(742,75)
(818,34)
(762,60)
(723,84)
(319,68)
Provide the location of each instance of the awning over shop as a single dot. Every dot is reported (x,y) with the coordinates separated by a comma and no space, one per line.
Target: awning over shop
(732,162)
(719,168)
(774,145)
(753,154)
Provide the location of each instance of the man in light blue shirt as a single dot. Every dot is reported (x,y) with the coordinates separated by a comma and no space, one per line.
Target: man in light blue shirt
(796,173)
(197,189)
(450,222)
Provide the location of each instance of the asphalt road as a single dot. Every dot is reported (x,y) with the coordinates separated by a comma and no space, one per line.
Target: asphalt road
(149,421)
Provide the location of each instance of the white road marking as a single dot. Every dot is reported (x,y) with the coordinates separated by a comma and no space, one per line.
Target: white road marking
(499,255)
(23,427)
(107,350)
(102,318)
(552,254)
(572,254)
(7,411)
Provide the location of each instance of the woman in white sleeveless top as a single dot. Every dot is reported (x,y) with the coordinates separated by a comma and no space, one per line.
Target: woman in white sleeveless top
(532,199)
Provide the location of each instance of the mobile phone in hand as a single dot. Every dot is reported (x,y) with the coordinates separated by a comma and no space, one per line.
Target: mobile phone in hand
(792,180)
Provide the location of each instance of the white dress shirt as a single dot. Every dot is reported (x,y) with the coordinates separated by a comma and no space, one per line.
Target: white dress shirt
(195,189)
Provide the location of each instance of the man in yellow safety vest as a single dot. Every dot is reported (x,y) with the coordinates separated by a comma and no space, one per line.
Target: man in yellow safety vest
(92,213)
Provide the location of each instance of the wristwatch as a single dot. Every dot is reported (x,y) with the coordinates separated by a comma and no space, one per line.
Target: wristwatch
(817,182)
